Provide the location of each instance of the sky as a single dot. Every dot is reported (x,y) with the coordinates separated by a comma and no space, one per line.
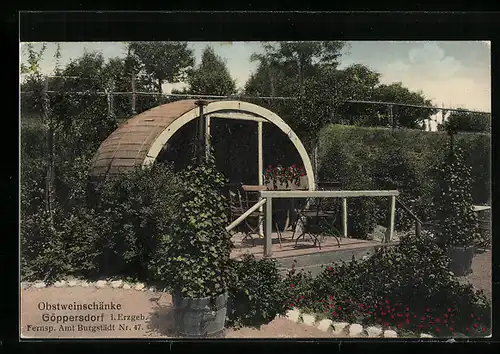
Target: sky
(453,74)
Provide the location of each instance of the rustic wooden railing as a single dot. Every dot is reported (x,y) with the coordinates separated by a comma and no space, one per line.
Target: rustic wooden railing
(418,222)
(269,195)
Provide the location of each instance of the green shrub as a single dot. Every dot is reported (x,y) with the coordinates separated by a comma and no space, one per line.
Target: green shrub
(408,286)
(138,210)
(256,294)
(378,158)
(453,201)
(68,246)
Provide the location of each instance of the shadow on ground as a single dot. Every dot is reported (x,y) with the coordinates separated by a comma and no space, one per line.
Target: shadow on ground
(162,320)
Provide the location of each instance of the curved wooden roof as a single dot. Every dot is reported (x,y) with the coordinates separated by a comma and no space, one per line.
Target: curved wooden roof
(126,148)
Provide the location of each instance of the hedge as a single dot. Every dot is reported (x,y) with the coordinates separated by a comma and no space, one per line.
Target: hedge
(403,159)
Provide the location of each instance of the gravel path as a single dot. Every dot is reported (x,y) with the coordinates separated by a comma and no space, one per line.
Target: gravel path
(156,320)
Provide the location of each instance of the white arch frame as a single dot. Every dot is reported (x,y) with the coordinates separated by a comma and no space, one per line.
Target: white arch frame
(247,109)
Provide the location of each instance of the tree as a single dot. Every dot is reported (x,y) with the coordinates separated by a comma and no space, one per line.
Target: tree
(162,61)
(408,117)
(467,122)
(211,77)
(298,69)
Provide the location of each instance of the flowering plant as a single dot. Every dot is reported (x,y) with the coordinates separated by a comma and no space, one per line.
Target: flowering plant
(283,175)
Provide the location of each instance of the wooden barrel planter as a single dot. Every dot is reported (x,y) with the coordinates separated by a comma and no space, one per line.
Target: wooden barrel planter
(198,318)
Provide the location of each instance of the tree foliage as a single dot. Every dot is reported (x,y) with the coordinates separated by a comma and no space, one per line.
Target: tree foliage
(467,122)
(162,61)
(211,77)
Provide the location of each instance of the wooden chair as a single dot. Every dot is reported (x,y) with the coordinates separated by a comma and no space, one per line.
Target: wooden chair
(251,196)
(243,197)
(317,217)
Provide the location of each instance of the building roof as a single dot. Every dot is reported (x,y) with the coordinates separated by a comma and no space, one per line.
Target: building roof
(126,148)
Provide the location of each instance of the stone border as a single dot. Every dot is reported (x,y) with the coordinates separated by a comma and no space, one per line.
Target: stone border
(338,329)
(343,329)
(100,284)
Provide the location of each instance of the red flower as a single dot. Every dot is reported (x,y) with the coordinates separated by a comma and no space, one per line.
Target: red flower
(386,324)
(386,301)
(291,285)
(334,313)
(388,310)
(420,326)
(471,315)
(407,321)
(375,306)
(423,318)
(383,313)
(475,325)
(361,305)
(407,309)
(400,315)
(438,320)
(414,316)
(407,315)
(427,310)
(329,268)
(451,329)
(392,316)
(467,329)
(340,307)
(484,329)
(445,321)
(478,318)
(293,166)
(449,310)
(445,315)
(437,330)
(400,325)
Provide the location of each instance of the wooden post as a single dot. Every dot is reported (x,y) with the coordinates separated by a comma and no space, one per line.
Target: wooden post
(111,108)
(390,230)
(344,216)
(260,169)
(207,137)
(133,94)
(268,245)
(418,228)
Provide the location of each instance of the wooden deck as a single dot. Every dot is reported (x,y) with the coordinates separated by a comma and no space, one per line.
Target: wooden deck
(303,248)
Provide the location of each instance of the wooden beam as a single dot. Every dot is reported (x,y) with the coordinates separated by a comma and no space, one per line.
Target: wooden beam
(207,137)
(268,245)
(344,216)
(239,116)
(328,194)
(260,168)
(245,214)
(390,231)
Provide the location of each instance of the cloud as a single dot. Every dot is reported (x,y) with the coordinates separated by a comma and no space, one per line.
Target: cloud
(443,79)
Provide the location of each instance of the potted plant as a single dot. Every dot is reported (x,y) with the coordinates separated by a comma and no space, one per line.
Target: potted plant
(197,254)
(457,228)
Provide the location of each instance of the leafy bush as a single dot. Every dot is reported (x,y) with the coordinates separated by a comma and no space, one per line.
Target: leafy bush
(138,210)
(408,286)
(194,257)
(453,201)
(256,294)
(377,158)
(114,233)
(68,246)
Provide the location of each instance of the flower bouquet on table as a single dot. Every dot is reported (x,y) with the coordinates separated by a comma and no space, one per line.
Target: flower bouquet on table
(283,178)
